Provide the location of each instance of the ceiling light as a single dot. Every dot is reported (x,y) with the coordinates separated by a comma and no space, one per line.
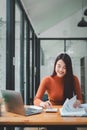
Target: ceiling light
(85,12)
(82,23)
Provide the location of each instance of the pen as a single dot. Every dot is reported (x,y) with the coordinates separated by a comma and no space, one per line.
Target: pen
(49,103)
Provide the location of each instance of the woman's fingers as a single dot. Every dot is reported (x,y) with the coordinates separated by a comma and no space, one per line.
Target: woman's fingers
(77,103)
(49,105)
(46,104)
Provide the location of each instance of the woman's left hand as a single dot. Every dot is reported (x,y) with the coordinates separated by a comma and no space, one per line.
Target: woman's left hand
(77,103)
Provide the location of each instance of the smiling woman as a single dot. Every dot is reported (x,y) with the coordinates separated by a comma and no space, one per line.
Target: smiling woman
(79,61)
(60,85)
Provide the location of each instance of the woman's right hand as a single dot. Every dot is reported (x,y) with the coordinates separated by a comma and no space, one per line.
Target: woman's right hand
(77,103)
(46,104)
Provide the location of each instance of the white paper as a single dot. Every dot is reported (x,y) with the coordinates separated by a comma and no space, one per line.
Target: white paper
(69,110)
(84,105)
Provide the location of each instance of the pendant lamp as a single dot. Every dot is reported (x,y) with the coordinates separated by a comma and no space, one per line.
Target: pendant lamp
(82,23)
(85,12)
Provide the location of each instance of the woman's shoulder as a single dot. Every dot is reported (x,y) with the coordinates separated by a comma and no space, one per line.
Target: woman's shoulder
(75,78)
(46,79)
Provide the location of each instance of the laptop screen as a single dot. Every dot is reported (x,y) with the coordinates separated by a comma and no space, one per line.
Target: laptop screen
(13,101)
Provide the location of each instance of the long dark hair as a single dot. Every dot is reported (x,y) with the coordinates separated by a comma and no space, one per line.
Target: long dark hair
(68,78)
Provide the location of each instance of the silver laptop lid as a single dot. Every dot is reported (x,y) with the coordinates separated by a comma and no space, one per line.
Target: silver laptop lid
(13,101)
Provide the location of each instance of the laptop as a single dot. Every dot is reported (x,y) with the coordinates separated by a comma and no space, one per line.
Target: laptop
(14,103)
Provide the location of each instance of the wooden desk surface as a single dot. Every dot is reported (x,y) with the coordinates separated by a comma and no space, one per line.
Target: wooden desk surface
(41,119)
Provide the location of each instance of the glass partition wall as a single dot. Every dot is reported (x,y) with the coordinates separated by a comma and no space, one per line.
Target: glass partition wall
(17,46)
(2,45)
(77,49)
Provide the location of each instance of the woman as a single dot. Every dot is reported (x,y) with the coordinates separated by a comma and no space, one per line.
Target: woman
(60,85)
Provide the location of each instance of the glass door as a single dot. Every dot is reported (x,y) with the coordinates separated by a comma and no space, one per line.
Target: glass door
(2,45)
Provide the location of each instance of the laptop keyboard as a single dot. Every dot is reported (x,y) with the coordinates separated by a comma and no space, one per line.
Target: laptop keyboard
(31,111)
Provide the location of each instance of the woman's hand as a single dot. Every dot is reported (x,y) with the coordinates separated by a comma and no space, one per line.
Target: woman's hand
(76,104)
(46,104)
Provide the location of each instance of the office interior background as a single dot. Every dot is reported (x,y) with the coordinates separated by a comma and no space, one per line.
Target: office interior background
(32,34)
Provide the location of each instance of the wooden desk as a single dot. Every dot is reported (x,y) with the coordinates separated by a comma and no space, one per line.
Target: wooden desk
(43,119)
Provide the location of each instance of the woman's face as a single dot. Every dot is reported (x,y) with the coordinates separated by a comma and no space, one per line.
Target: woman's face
(60,68)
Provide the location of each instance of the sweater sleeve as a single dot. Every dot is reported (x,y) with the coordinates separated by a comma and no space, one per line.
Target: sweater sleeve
(78,89)
(40,92)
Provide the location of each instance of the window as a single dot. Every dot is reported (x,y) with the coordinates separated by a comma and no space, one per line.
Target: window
(3,44)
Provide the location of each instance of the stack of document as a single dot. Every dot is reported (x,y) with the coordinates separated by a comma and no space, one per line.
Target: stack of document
(69,110)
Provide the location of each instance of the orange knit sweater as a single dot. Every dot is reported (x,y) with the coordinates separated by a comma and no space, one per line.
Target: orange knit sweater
(54,87)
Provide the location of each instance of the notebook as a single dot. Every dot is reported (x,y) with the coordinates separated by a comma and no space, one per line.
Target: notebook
(14,103)
(68,109)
